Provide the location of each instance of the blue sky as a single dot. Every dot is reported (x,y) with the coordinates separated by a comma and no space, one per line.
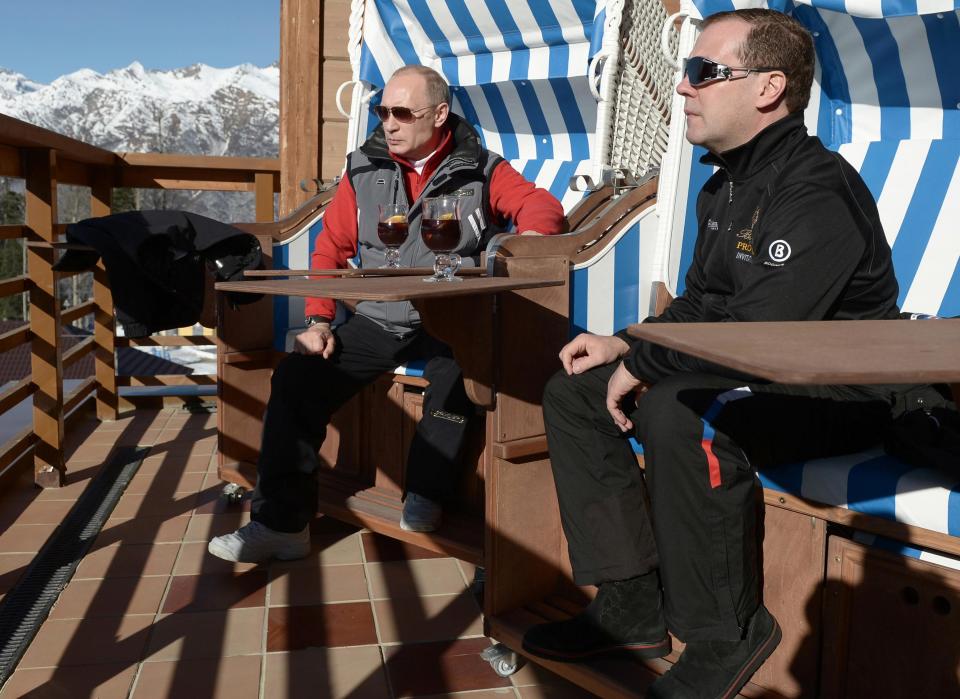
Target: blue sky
(44,39)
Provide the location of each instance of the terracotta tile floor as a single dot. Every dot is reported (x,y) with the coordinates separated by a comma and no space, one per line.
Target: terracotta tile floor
(150,614)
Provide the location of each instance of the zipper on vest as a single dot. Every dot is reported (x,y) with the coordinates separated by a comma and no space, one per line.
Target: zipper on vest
(397,183)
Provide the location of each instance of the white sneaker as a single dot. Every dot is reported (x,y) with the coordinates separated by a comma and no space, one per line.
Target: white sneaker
(420,514)
(255,543)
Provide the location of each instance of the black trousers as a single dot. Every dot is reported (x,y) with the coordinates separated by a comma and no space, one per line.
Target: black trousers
(306,390)
(694,513)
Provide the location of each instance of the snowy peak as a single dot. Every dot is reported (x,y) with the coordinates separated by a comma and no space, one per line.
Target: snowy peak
(12,84)
(198,109)
(195,83)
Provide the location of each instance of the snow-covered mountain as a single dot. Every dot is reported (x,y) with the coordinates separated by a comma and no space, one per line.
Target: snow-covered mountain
(13,84)
(199,109)
(196,110)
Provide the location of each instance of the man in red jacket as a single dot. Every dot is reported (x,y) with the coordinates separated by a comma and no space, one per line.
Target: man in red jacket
(420,150)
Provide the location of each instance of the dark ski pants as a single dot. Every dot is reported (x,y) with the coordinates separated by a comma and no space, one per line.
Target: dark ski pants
(306,390)
(694,513)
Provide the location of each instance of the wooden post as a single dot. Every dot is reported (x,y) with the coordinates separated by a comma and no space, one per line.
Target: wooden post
(300,35)
(263,196)
(104,322)
(335,69)
(46,357)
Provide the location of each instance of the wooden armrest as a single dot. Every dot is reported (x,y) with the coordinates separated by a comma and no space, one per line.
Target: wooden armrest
(663,296)
(258,357)
(599,222)
(47,245)
(289,225)
(519,448)
(401,272)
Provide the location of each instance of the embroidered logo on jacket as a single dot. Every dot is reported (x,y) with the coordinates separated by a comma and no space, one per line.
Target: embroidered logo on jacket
(745,251)
(779,252)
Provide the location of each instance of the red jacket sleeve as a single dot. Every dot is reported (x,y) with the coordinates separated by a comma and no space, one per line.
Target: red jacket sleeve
(336,244)
(530,208)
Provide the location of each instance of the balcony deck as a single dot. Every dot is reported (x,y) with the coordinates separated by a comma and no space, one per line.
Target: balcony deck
(149,613)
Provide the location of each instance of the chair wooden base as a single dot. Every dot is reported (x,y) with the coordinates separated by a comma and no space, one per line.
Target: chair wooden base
(361,478)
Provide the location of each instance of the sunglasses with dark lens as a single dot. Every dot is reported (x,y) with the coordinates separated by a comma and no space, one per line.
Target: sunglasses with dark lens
(404,115)
(700,71)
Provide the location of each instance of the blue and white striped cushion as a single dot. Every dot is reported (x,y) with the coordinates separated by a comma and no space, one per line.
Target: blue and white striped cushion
(414,368)
(901,549)
(875,483)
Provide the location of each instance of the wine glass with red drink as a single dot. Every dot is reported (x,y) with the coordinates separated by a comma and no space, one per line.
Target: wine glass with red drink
(392,231)
(440,231)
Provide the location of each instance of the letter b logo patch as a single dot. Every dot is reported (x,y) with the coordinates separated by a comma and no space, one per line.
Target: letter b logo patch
(779,251)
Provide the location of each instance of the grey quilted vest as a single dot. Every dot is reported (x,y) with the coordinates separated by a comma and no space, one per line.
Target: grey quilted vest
(377,179)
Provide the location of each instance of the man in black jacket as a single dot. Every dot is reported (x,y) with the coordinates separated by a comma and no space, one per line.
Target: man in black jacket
(787,230)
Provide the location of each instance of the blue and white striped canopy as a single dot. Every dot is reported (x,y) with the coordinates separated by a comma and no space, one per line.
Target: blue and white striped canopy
(518,73)
(886,69)
(885,79)
(477,43)
(854,8)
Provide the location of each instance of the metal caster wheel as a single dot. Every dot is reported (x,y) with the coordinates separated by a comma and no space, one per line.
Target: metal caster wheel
(233,493)
(505,668)
(503,660)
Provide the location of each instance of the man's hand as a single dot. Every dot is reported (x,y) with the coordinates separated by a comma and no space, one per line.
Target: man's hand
(586,351)
(620,384)
(317,339)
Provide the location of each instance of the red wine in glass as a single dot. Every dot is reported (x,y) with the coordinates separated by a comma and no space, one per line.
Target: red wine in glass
(440,235)
(440,232)
(392,233)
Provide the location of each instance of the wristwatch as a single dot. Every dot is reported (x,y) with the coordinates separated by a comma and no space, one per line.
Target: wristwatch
(310,321)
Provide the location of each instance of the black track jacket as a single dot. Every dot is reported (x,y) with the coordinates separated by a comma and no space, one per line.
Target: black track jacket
(787,230)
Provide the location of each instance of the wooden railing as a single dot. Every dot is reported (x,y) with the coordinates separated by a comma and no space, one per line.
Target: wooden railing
(44,159)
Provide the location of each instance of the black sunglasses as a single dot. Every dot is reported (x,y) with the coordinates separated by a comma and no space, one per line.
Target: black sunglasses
(404,115)
(700,71)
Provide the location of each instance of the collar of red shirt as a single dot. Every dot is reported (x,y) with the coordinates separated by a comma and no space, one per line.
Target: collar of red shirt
(443,150)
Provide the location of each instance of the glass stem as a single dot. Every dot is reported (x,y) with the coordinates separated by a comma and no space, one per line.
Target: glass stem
(393,257)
